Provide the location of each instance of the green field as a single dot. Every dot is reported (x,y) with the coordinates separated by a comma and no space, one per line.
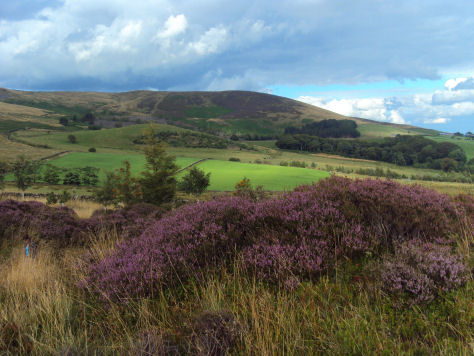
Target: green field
(225,174)
(465,143)
(380,130)
(108,162)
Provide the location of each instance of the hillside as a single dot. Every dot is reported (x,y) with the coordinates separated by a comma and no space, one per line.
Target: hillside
(226,112)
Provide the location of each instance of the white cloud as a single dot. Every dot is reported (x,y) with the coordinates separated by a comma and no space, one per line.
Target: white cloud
(210,42)
(453,83)
(443,97)
(174,26)
(368,108)
(396,118)
(440,120)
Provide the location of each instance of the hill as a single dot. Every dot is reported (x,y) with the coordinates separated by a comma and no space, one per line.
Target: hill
(225,112)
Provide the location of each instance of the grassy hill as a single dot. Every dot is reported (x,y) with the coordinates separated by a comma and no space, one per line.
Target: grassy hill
(225,112)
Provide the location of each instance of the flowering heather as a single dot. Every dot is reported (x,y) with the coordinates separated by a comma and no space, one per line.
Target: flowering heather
(129,222)
(393,212)
(298,235)
(58,224)
(420,271)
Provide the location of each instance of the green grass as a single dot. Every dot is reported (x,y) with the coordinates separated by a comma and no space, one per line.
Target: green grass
(207,112)
(225,174)
(466,144)
(379,130)
(117,138)
(7,125)
(54,107)
(108,162)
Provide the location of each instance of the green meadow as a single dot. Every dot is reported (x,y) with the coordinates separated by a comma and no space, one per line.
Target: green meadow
(108,161)
(225,174)
(465,143)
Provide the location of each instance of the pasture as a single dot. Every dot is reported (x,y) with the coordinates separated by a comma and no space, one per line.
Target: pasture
(108,161)
(465,143)
(225,174)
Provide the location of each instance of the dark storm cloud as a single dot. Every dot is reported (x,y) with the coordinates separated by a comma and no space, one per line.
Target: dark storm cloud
(236,45)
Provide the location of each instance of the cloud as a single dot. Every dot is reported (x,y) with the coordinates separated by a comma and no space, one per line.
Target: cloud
(379,109)
(210,42)
(440,120)
(453,83)
(174,26)
(149,43)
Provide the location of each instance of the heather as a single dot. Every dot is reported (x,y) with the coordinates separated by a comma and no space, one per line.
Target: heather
(298,236)
(419,272)
(333,268)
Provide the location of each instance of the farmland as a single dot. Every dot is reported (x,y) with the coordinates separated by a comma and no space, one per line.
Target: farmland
(225,174)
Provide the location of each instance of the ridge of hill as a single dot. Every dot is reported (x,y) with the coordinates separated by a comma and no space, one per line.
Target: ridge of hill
(227,112)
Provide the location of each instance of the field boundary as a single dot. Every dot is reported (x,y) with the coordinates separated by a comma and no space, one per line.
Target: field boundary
(192,164)
(53,155)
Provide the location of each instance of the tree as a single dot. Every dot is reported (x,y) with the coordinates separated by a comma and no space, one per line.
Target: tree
(51,198)
(72,178)
(244,189)
(64,121)
(195,182)
(158,181)
(127,189)
(24,171)
(51,174)
(89,175)
(106,194)
(4,168)
(72,139)
(64,197)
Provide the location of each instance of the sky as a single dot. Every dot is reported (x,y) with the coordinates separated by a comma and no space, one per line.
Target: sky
(399,61)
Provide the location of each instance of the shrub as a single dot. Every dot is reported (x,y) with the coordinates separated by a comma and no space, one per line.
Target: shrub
(92,149)
(297,235)
(51,198)
(234,159)
(215,333)
(195,182)
(420,271)
(60,225)
(72,139)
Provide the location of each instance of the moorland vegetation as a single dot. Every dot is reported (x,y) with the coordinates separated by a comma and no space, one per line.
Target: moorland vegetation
(342,266)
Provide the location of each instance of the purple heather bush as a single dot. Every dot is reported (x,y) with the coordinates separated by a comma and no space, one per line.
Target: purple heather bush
(298,235)
(419,271)
(47,223)
(129,222)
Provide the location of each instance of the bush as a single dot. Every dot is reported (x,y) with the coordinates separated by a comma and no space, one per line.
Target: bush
(92,149)
(215,333)
(420,271)
(59,225)
(281,240)
(234,159)
(72,139)
(51,198)
(195,182)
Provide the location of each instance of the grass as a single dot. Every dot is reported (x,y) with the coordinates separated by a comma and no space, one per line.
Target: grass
(206,112)
(379,130)
(108,161)
(466,144)
(225,174)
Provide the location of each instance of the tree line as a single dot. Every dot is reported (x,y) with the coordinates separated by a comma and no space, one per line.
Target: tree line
(327,128)
(403,150)
(27,172)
